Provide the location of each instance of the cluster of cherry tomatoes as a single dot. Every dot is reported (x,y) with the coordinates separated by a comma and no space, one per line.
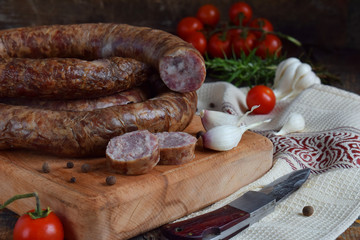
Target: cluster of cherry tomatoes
(243,33)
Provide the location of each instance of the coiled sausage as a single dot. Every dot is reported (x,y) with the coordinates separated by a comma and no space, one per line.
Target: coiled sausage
(180,65)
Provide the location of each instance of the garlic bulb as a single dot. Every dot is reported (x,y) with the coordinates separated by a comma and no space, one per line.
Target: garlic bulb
(295,123)
(226,137)
(211,119)
(280,69)
(285,81)
(304,82)
(292,77)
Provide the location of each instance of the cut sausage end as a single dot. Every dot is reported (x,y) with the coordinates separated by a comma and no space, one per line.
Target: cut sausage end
(133,153)
(182,71)
(176,147)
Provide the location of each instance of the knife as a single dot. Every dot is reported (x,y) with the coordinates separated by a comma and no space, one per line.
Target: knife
(231,219)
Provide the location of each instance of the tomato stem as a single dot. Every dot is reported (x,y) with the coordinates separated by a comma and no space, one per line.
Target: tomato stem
(38,213)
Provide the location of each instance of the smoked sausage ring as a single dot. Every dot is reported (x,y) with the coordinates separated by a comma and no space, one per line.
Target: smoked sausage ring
(69,78)
(86,133)
(180,65)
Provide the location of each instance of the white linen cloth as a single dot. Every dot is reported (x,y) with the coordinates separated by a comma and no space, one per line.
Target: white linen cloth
(329,146)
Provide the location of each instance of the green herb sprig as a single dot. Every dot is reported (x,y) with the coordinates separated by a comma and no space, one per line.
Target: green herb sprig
(246,70)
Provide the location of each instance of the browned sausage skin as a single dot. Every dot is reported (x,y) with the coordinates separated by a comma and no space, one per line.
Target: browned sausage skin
(133,95)
(69,78)
(86,134)
(181,66)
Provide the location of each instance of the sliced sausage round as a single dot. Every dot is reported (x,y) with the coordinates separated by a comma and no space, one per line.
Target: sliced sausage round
(176,147)
(133,153)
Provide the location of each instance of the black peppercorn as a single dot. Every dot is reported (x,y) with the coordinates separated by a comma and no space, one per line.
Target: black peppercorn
(85,168)
(69,164)
(110,180)
(45,167)
(308,211)
(73,179)
(199,134)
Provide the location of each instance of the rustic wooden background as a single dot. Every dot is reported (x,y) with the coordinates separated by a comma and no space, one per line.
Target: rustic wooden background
(329,23)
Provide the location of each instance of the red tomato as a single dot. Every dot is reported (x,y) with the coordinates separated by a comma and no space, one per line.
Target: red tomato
(218,47)
(208,14)
(243,44)
(234,33)
(198,40)
(46,228)
(261,23)
(263,96)
(236,9)
(188,25)
(269,46)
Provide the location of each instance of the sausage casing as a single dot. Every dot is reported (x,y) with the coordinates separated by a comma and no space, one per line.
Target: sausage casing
(181,66)
(69,78)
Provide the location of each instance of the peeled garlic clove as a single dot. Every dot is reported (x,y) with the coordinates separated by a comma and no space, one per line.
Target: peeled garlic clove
(286,81)
(211,119)
(281,68)
(295,123)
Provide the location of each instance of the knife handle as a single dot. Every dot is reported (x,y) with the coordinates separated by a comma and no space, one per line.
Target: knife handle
(213,223)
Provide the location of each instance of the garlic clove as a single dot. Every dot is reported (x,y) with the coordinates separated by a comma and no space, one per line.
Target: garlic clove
(295,123)
(223,138)
(286,80)
(211,119)
(281,68)
(226,137)
(301,71)
(307,80)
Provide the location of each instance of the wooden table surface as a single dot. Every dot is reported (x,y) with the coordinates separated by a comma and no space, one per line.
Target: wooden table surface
(343,63)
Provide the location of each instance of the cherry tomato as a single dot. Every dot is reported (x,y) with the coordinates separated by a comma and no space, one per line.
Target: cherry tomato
(269,46)
(188,25)
(261,23)
(243,44)
(236,9)
(198,40)
(46,228)
(263,96)
(208,14)
(234,33)
(219,47)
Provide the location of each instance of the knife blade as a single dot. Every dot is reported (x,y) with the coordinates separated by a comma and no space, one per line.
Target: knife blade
(234,217)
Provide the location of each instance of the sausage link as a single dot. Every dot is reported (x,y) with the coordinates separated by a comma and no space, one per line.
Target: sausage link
(180,65)
(86,134)
(69,78)
(134,95)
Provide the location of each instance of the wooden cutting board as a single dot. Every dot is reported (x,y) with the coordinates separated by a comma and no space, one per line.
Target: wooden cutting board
(90,209)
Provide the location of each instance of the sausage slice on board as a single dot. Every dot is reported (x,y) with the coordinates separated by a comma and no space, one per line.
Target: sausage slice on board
(176,147)
(133,153)
(181,66)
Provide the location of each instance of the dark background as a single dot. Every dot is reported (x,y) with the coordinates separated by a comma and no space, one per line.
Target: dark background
(328,29)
